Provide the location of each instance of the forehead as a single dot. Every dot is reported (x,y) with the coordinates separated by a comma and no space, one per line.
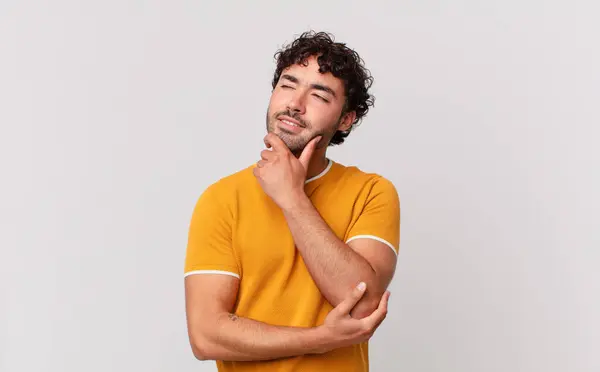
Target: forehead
(308,74)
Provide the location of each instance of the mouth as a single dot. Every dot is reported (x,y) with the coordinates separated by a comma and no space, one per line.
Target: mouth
(289,121)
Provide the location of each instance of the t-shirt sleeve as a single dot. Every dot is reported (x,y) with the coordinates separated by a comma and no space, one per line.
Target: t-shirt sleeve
(380,216)
(209,247)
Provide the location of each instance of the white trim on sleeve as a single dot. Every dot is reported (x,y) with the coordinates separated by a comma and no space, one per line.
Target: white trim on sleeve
(374,238)
(221,272)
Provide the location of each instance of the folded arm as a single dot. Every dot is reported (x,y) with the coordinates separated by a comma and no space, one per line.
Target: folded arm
(215,333)
(337,266)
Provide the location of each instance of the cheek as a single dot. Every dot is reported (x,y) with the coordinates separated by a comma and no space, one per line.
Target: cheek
(275,104)
(329,120)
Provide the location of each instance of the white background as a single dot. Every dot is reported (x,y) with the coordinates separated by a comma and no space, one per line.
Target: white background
(115,115)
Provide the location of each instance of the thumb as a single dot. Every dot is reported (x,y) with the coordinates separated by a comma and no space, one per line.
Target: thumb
(308,151)
(349,302)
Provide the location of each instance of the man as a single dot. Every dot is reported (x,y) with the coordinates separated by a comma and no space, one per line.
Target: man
(279,254)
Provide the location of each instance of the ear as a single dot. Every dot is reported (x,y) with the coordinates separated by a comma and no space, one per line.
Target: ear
(347,120)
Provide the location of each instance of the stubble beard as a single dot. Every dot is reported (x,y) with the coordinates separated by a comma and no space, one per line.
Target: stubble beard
(296,143)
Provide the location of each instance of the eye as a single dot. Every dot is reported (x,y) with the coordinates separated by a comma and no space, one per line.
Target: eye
(321,98)
(286,86)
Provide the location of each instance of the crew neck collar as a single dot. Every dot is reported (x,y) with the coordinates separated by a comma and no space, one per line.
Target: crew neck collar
(323,172)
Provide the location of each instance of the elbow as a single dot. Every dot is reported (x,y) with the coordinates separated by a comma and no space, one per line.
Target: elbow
(202,348)
(200,351)
(368,303)
(205,340)
(365,307)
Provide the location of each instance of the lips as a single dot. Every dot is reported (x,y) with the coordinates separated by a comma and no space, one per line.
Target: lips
(289,121)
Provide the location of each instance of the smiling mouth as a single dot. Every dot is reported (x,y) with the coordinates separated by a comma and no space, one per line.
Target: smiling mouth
(290,123)
(288,120)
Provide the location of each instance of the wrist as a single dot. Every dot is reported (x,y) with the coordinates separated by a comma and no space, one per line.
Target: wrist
(295,201)
(323,340)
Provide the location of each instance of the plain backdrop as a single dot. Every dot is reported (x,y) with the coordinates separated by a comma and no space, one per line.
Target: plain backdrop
(115,115)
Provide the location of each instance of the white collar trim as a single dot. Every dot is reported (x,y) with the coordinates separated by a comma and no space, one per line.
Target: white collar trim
(324,172)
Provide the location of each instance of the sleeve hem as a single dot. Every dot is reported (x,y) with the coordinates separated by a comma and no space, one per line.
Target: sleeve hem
(390,245)
(218,272)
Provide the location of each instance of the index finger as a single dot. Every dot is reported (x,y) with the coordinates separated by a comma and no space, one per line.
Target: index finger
(272,140)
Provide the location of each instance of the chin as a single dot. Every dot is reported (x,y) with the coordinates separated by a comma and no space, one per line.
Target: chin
(295,146)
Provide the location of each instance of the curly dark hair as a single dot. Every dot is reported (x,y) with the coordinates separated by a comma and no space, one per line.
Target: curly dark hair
(335,57)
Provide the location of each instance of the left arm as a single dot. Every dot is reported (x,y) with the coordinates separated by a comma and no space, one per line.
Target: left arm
(335,266)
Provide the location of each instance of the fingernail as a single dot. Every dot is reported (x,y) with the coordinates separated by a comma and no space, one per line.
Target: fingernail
(361,286)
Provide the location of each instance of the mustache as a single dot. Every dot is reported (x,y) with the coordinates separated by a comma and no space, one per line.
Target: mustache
(293,115)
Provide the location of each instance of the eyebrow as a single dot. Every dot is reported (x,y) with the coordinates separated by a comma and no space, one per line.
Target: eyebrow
(315,86)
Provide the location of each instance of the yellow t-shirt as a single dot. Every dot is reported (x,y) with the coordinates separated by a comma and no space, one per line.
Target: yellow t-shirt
(236,229)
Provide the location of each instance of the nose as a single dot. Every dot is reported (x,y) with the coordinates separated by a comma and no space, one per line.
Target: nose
(296,103)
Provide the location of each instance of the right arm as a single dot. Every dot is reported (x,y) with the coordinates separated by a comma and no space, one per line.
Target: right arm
(216,333)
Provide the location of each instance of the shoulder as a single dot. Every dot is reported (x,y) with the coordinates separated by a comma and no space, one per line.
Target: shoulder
(225,189)
(367,181)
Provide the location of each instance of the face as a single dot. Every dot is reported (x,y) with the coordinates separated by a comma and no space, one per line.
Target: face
(305,104)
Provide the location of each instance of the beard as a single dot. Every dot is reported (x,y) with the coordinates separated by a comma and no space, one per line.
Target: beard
(297,142)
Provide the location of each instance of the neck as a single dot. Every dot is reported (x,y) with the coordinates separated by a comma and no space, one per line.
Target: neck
(317,164)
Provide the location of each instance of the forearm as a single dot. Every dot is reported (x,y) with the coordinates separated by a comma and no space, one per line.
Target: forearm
(334,266)
(234,338)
